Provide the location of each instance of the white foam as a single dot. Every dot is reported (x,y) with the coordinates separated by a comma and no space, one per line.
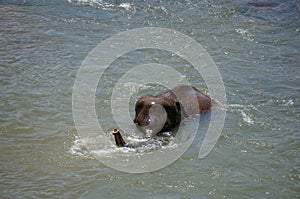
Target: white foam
(95,3)
(245,33)
(136,139)
(127,6)
(284,102)
(78,148)
(111,151)
(247,118)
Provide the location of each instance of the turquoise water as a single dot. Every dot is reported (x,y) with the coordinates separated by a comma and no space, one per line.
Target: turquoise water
(256,49)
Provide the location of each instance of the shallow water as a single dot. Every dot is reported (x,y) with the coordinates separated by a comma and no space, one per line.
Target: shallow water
(43,44)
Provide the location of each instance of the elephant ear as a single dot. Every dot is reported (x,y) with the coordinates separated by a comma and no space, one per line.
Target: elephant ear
(181,111)
(173,110)
(158,118)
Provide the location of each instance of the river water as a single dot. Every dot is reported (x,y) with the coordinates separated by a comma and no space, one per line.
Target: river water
(255,46)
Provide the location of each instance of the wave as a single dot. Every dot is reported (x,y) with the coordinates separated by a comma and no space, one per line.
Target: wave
(105,5)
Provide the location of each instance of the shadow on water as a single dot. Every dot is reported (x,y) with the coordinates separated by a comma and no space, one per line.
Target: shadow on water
(268,10)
